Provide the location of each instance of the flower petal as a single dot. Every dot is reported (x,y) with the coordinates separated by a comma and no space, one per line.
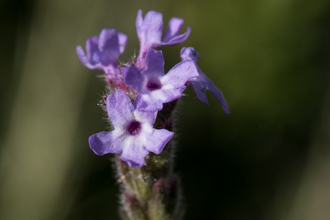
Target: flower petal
(154,64)
(178,39)
(149,103)
(172,36)
(148,117)
(104,143)
(138,21)
(109,47)
(92,50)
(200,91)
(119,108)
(84,59)
(149,31)
(180,74)
(203,83)
(218,94)
(134,154)
(168,93)
(151,28)
(91,60)
(157,140)
(135,78)
(122,40)
(173,28)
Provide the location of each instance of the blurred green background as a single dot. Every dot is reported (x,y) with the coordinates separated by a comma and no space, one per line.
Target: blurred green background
(269,159)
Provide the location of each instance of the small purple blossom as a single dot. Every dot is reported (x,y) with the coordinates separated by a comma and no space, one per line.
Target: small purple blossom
(133,136)
(103,50)
(202,83)
(154,87)
(150,29)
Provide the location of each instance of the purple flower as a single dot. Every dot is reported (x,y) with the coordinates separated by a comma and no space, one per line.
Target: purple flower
(103,50)
(153,86)
(150,29)
(133,135)
(202,83)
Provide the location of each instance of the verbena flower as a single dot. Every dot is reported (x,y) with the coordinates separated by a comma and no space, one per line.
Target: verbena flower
(133,134)
(150,29)
(154,87)
(202,83)
(103,51)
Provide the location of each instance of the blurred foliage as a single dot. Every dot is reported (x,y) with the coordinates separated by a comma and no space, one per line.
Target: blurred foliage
(267,160)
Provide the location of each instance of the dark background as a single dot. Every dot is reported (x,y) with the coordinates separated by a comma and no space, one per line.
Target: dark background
(268,160)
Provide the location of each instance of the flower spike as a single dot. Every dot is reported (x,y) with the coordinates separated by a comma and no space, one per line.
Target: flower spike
(202,83)
(142,123)
(154,87)
(133,136)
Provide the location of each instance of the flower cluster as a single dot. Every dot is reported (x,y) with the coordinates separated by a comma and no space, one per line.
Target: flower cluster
(139,88)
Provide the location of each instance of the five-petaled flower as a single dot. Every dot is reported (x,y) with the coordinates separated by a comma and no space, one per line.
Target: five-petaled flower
(133,135)
(202,83)
(150,29)
(154,87)
(103,51)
